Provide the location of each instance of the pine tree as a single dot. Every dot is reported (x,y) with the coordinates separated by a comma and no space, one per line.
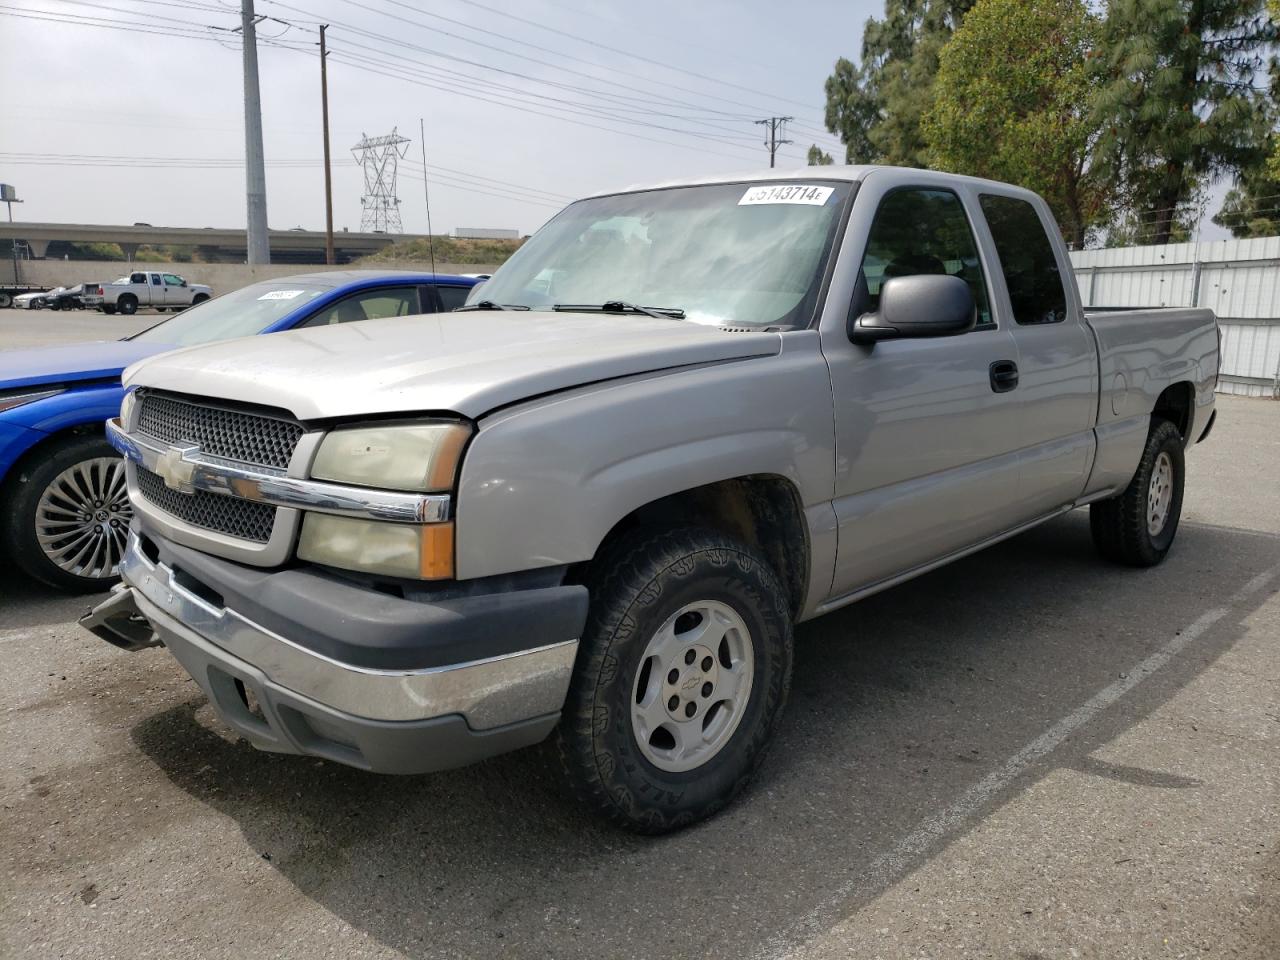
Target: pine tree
(818,157)
(1180,101)
(876,108)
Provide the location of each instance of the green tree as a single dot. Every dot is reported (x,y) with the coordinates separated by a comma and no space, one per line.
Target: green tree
(876,107)
(1179,101)
(1023,116)
(1252,207)
(819,158)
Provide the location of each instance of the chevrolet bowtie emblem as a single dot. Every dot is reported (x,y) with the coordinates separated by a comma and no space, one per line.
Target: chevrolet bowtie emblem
(175,470)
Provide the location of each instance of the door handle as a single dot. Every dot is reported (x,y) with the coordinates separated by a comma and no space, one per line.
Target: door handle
(1004,376)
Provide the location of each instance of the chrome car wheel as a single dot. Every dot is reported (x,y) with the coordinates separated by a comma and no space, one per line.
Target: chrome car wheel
(693,686)
(82,519)
(1159,494)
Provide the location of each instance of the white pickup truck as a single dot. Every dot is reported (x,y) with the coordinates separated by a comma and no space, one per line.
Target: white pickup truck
(161,291)
(592,504)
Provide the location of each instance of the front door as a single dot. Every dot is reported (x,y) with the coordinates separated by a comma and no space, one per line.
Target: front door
(926,448)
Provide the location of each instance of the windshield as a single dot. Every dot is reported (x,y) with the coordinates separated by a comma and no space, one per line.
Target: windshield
(729,254)
(243,313)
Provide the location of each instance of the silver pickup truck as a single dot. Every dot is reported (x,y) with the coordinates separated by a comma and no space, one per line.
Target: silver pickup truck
(161,291)
(593,503)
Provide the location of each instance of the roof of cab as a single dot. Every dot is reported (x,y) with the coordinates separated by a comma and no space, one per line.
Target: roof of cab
(850,173)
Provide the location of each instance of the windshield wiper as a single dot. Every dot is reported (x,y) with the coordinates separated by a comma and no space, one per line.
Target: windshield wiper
(490,305)
(621,306)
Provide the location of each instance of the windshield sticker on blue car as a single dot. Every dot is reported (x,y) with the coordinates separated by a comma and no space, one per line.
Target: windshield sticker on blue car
(281,294)
(787,193)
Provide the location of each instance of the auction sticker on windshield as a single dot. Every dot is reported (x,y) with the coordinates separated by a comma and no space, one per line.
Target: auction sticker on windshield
(787,193)
(281,294)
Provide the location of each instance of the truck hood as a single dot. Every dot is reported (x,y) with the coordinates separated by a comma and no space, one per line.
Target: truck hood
(465,363)
(71,363)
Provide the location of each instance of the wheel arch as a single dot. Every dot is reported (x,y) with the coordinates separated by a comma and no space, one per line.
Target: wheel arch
(764,511)
(1176,403)
(41,447)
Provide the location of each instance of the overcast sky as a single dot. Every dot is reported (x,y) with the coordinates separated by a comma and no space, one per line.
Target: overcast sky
(125,113)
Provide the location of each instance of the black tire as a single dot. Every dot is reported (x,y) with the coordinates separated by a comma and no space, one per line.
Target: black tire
(19,505)
(127,304)
(199,298)
(6,300)
(108,309)
(639,586)
(1120,527)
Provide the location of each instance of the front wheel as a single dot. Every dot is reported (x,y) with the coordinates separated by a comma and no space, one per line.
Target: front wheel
(65,517)
(682,673)
(1137,527)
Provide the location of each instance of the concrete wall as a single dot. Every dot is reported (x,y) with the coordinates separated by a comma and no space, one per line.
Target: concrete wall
(223,277)
(1238,279)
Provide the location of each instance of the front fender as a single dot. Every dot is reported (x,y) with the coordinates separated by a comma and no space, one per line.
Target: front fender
(23,427)
(542,484)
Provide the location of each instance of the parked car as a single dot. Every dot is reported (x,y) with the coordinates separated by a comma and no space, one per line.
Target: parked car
(35,300)
(70,298)
(161,291)
(677,422)
(63,509)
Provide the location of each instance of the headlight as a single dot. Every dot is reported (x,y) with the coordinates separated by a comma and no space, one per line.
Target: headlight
(18,398)
(420,552)
(415,457)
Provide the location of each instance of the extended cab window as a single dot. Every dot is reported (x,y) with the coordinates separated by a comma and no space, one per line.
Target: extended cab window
(370,305)
(1026,256)
(923,231)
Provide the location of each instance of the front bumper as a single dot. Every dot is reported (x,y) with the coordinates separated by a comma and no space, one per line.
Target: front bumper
(286,697)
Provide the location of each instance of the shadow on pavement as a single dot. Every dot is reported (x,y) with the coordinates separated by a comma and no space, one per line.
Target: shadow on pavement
(899,704)
(28,603)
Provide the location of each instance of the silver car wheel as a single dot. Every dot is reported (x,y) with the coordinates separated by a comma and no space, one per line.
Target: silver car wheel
(82,519)
(1159,494)
(693,686)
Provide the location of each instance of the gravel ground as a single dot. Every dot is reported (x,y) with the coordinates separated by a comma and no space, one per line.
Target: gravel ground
(1028,754)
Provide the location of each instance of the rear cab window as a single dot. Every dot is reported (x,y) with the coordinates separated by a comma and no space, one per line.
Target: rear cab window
(1031,273)
(922,230)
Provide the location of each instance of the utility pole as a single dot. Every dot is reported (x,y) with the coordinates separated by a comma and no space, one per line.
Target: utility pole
(259,248)
(777,128)
(10,197)
(328,181)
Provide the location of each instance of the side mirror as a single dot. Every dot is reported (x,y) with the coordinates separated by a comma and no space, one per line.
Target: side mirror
(924,305)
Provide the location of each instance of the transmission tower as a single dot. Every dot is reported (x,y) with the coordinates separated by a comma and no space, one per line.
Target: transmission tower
(380,158)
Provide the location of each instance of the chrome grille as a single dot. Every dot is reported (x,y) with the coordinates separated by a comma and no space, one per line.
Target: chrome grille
(219,431)
(245,519)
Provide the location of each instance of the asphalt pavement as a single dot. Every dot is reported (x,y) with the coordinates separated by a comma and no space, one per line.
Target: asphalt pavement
(1027,754)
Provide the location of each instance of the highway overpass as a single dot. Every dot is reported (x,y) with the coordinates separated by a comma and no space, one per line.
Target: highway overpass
(214,243)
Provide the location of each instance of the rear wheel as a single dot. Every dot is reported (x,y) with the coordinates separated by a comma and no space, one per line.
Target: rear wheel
(127,304)
(1137,527)
(66,515)
(682,672)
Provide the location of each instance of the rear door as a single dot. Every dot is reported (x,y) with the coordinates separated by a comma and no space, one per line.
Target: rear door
(1057,387)
(926,449)
(154,294)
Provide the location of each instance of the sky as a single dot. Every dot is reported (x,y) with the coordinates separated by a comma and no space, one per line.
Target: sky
(139,118)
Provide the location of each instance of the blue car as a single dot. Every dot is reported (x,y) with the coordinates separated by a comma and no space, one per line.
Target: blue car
(63,504)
